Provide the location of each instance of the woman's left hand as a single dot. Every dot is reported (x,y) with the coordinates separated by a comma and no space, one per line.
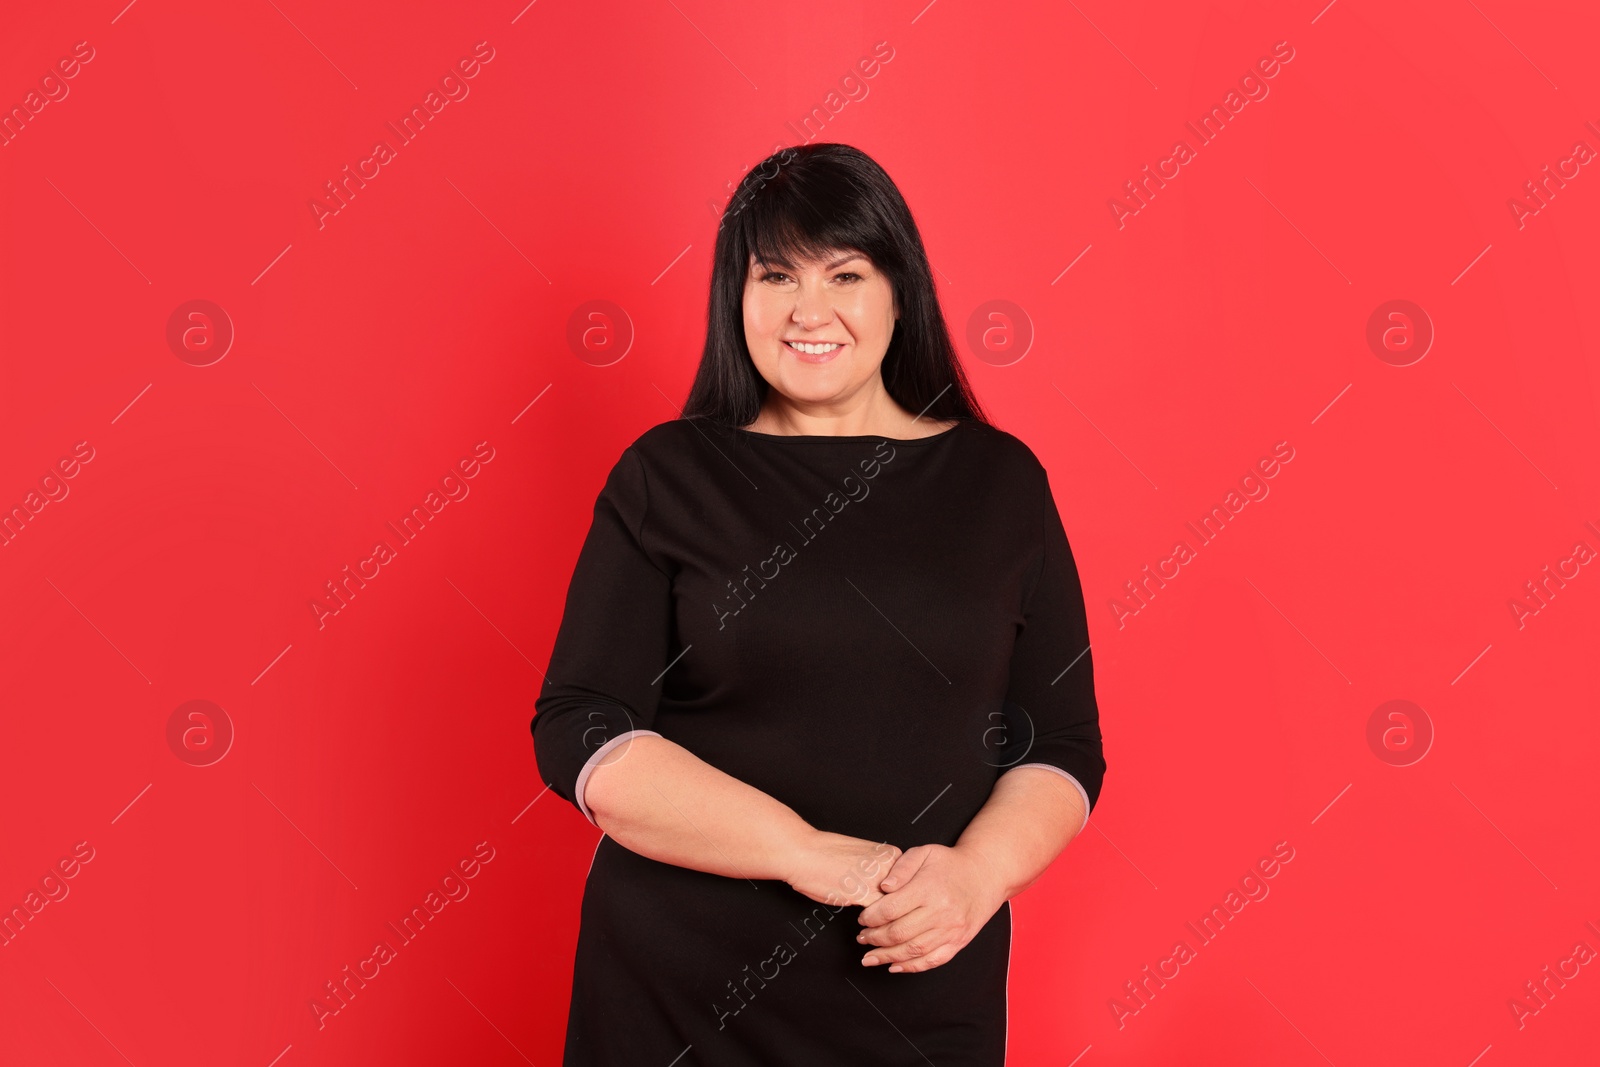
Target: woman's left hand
(936,900)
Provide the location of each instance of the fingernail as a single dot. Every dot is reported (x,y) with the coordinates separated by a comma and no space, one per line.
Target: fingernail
(869,961)
(895,968)
(862,937)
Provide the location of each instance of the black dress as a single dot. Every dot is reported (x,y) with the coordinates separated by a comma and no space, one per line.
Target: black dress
(869,630)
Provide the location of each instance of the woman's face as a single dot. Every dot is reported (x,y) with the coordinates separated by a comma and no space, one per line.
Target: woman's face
(840,300)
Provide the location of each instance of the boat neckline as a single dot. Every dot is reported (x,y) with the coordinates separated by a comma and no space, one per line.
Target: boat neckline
(960,422)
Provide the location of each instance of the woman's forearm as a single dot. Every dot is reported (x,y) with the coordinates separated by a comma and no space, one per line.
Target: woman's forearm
(1028,819)
(656,798)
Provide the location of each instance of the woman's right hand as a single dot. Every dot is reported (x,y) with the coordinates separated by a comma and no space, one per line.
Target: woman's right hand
(838,869)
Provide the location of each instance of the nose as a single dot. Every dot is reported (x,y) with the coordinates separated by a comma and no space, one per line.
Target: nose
(811,307)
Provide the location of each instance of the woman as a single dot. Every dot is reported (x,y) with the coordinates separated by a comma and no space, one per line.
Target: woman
(822,677)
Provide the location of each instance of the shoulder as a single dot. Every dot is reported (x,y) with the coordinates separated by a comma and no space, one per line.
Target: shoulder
(666,441)
(1003,452)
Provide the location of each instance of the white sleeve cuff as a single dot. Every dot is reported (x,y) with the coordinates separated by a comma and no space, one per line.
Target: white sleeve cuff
(1052,767)
(594,761)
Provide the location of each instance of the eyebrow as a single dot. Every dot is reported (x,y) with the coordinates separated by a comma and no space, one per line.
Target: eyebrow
(780,261)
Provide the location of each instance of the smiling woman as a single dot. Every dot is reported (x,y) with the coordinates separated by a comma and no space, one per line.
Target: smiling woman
(842,718)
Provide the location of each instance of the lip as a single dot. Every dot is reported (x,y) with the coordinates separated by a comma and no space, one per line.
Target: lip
(806,357)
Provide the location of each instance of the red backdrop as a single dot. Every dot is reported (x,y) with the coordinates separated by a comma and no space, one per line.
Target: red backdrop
(1374,259)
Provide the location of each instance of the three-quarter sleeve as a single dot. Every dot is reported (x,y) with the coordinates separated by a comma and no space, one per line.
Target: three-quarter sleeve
(1051,689)
(611,649)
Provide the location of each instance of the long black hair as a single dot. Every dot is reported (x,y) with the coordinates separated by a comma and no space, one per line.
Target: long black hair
(803,203)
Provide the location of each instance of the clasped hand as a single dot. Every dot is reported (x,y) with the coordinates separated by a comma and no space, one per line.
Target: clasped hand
(928,906)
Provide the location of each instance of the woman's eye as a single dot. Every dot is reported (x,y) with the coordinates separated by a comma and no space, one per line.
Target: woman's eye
(848,274)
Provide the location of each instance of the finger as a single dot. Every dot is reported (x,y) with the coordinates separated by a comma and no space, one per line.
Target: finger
(938,957)
(887,907)
(899,931)
(904,868)
(920,945)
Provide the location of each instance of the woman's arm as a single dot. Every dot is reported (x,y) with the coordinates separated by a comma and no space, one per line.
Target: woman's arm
(656,798)
(1029,818)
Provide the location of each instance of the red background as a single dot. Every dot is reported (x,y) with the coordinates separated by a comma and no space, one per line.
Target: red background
(587,163)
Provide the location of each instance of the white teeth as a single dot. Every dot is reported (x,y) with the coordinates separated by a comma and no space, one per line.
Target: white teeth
(812,350)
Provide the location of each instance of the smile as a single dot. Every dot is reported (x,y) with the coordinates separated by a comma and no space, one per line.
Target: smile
(813,353)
